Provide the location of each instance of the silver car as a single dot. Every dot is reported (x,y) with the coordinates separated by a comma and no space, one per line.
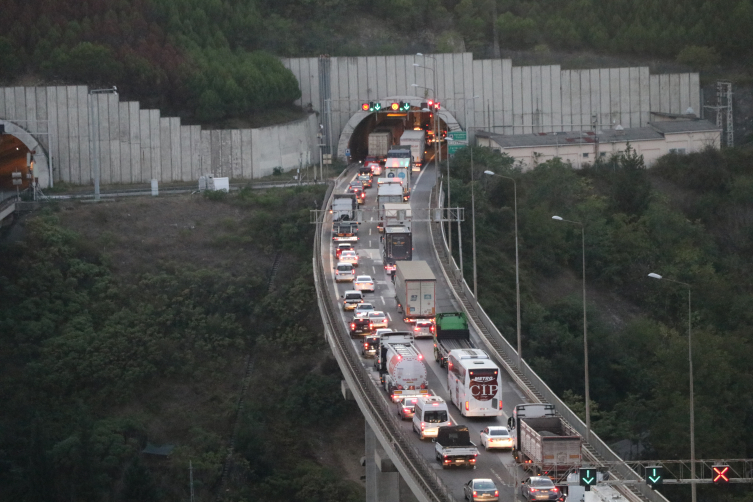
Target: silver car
(378,319)
(344,272)
(481,489)
(363,310)
(423,327)
(365,283)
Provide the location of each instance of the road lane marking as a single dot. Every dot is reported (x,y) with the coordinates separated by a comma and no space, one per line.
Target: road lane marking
(369,234)
(383,302)
(388,315)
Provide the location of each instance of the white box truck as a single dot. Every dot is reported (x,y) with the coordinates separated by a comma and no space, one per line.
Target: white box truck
(380,142)
(417,142)
(415,288)
(394,214)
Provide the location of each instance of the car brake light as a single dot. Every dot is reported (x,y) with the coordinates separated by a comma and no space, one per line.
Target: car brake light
(555,489)
(534,490)
(500,405)
(496,493)
(352,325)
(365,345)
(420,357)
(406,410)
(416,328)
(432,329)
(371,326)
(475,494)
(423,425)
(466,406)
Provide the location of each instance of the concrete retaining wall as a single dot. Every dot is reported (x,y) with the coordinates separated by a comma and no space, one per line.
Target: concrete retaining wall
(137,145)
(512,100)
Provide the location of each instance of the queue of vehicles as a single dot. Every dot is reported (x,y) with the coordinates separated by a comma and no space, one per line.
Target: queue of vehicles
(540,441)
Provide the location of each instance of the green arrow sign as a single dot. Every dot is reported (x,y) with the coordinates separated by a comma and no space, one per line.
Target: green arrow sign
(586,477)
(654,476)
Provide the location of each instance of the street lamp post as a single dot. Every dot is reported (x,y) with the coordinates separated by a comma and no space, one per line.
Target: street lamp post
(585,326)
(473,204)
(690,366)
(94,134)
(517,268)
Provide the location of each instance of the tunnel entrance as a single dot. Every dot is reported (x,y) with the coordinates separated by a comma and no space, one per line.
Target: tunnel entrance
(23,159)
(16,165)
(355,134)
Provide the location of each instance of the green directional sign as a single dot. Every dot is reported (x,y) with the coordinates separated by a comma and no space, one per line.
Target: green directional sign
(454,146)
(654,475)
(457,135)
(587,477)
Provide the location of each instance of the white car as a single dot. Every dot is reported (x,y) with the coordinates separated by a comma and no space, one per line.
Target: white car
(378,319)
(481,490)
(382,331)
(365,283)
(344,272)
(496,437)
(349,257)
(363,310)
(423,327)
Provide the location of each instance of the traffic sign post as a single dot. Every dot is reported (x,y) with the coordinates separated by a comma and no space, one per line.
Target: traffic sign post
(454,146)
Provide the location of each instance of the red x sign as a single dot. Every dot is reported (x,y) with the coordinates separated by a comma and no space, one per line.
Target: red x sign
(720,473)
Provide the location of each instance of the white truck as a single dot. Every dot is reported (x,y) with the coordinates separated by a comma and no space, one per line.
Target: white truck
(394,214)
(344,207)
(380,142)
(417,142)
(453,446)
(389,193)
(415,287)
(402,368)
(544,443)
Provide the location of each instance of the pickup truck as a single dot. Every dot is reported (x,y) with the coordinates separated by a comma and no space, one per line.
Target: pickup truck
(453,446)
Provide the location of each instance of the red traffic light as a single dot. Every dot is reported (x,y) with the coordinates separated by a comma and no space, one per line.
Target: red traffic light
(365,107)
(395,107)
(720,474)
(436,105)
(430,103)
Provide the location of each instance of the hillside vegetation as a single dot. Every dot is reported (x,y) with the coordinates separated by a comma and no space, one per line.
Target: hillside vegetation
(210,61)
(133,322)
(689,218)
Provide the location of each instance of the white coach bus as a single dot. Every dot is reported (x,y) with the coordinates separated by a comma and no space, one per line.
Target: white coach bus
(474,383)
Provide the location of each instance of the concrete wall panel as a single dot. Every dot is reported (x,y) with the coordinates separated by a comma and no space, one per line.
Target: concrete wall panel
(466,91)
(235,153)
(645,96)
(363,83)
(102,112)
(517,99)
(555,98)
(487,89)
(2,105)
(624,97)
(30,114)
(195,152)
(614,96)
(124,138)
(205,153)
(214,154)
(314,76)
(352,81)
(664,90)
(507,95)
(225,153)
(19,98)
(380,89)
(113,127)
(184,153)
(685,93)
(567,77)
(528,106)
(605,101)
(43,124)
(591,112)
(134,142)
(82,115)
(10,104)
(155,126)
(175,149)
(695,93)
(65,151)
(390,76)
(497,91)
(146,172)
(476,105)
(52,117)
(165,149)
(401,76)
(634,98)
(246,154)
(74,135)
(674,93)
(371,84)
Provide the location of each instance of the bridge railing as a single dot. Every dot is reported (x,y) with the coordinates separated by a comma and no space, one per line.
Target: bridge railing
(524,376)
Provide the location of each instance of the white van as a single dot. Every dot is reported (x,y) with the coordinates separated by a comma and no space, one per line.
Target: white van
(431,413)
(344,272)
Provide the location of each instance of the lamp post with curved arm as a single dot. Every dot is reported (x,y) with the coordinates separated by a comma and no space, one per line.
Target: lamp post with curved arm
(690,366)
(517,267)
(585,325)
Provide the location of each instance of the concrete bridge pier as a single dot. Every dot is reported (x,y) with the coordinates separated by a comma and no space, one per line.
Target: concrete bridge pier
(382,478)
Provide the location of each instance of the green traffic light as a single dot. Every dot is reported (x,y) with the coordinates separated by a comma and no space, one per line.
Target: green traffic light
(377,107)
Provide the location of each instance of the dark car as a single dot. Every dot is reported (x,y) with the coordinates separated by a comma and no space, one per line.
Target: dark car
(406,407)
(365,179)
(540,488)
(481,489)
(370,344)
(359,325)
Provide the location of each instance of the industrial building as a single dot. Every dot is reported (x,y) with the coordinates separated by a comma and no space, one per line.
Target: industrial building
(679,134)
